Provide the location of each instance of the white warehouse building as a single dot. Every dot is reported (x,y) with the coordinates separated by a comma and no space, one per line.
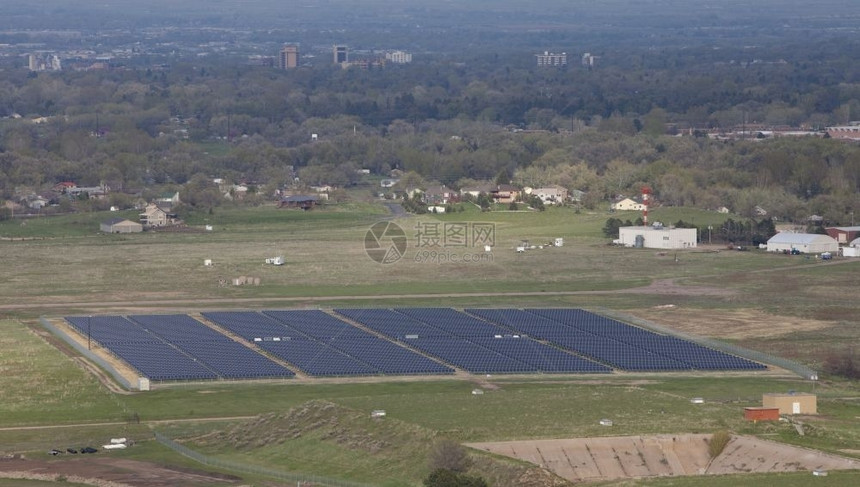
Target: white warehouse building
(805,243)
(657,237)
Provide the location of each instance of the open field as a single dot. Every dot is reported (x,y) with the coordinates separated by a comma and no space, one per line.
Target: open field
(778,304)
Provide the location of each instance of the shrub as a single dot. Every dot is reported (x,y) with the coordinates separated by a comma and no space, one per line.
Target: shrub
(446,478)
(718,443)
(449,455)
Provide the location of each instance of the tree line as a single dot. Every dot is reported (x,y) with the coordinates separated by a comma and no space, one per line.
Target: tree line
(602,131)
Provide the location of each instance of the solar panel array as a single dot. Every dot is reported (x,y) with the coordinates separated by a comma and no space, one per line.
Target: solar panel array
(386,356)
(322,345)
(612,342)
(176,347)
(469,343)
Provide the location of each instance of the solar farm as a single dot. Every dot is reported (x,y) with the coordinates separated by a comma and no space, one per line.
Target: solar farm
(350,342)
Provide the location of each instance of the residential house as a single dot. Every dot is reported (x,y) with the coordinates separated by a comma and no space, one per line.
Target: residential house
(505,193)
(120,225)
(627,204)
(91,192)
(304,202)
(475,191)
(156,216)
(440,195)
(64,186)
(551,195)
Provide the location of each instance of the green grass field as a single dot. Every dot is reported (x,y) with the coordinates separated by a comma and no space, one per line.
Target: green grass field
(71,269)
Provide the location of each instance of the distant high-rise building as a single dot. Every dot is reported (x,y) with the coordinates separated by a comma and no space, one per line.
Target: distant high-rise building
(399,57)
(341,54)
(588,60)
(33,63)
(551,59)
(288,57)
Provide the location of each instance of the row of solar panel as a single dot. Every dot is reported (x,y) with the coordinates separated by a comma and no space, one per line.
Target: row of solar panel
(176,347)
(609,341)
(478,341)
(322,345)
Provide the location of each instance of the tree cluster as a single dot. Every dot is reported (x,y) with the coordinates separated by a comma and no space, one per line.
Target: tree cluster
(602,132)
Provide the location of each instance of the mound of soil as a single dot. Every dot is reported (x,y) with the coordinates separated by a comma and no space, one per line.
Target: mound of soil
(596,459)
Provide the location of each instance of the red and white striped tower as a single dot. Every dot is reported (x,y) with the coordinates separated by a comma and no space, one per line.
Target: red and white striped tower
(646,199)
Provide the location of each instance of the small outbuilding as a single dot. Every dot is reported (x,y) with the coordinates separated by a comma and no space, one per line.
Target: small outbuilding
(805,243)
(791,403)
(657,237)
(843,235)
(120,225)
(761,414)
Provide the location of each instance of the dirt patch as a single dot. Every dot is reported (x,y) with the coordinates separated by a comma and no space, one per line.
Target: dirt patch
(118,470)
(600,459)
(734,324)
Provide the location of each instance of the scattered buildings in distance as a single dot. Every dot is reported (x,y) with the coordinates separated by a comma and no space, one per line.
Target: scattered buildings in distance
(551,59)
(45,62)
(288,58)
(849,132)
(588,60)
(399,57)
(341,54)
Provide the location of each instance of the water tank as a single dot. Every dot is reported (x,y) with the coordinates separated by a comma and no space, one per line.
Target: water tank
(640,241)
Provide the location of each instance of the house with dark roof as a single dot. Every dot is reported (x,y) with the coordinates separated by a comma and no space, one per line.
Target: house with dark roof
(304,202)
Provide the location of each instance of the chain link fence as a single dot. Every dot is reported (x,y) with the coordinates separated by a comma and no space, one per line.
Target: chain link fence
(106,366)
(761,357)
(301,480)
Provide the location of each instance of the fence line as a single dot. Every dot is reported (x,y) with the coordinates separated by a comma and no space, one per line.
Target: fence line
(799,369)
(87,353)
(299,479)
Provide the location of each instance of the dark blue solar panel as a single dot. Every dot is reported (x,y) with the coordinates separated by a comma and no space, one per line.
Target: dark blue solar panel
(312,356)
(452,321)
(147,353)
(316,358)
(673,350)
(230,359)
(388,357)
(389,323)
(316,323)
(543,357)
(452,349)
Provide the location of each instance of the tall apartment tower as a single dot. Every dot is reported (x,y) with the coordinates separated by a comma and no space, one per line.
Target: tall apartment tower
(288,58)
(341,54)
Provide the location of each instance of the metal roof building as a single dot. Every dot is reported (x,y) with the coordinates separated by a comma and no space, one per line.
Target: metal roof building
(805,243)
(657,237)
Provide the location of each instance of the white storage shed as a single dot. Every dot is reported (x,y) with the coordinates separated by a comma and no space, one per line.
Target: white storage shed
(805,243)
(657,237)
